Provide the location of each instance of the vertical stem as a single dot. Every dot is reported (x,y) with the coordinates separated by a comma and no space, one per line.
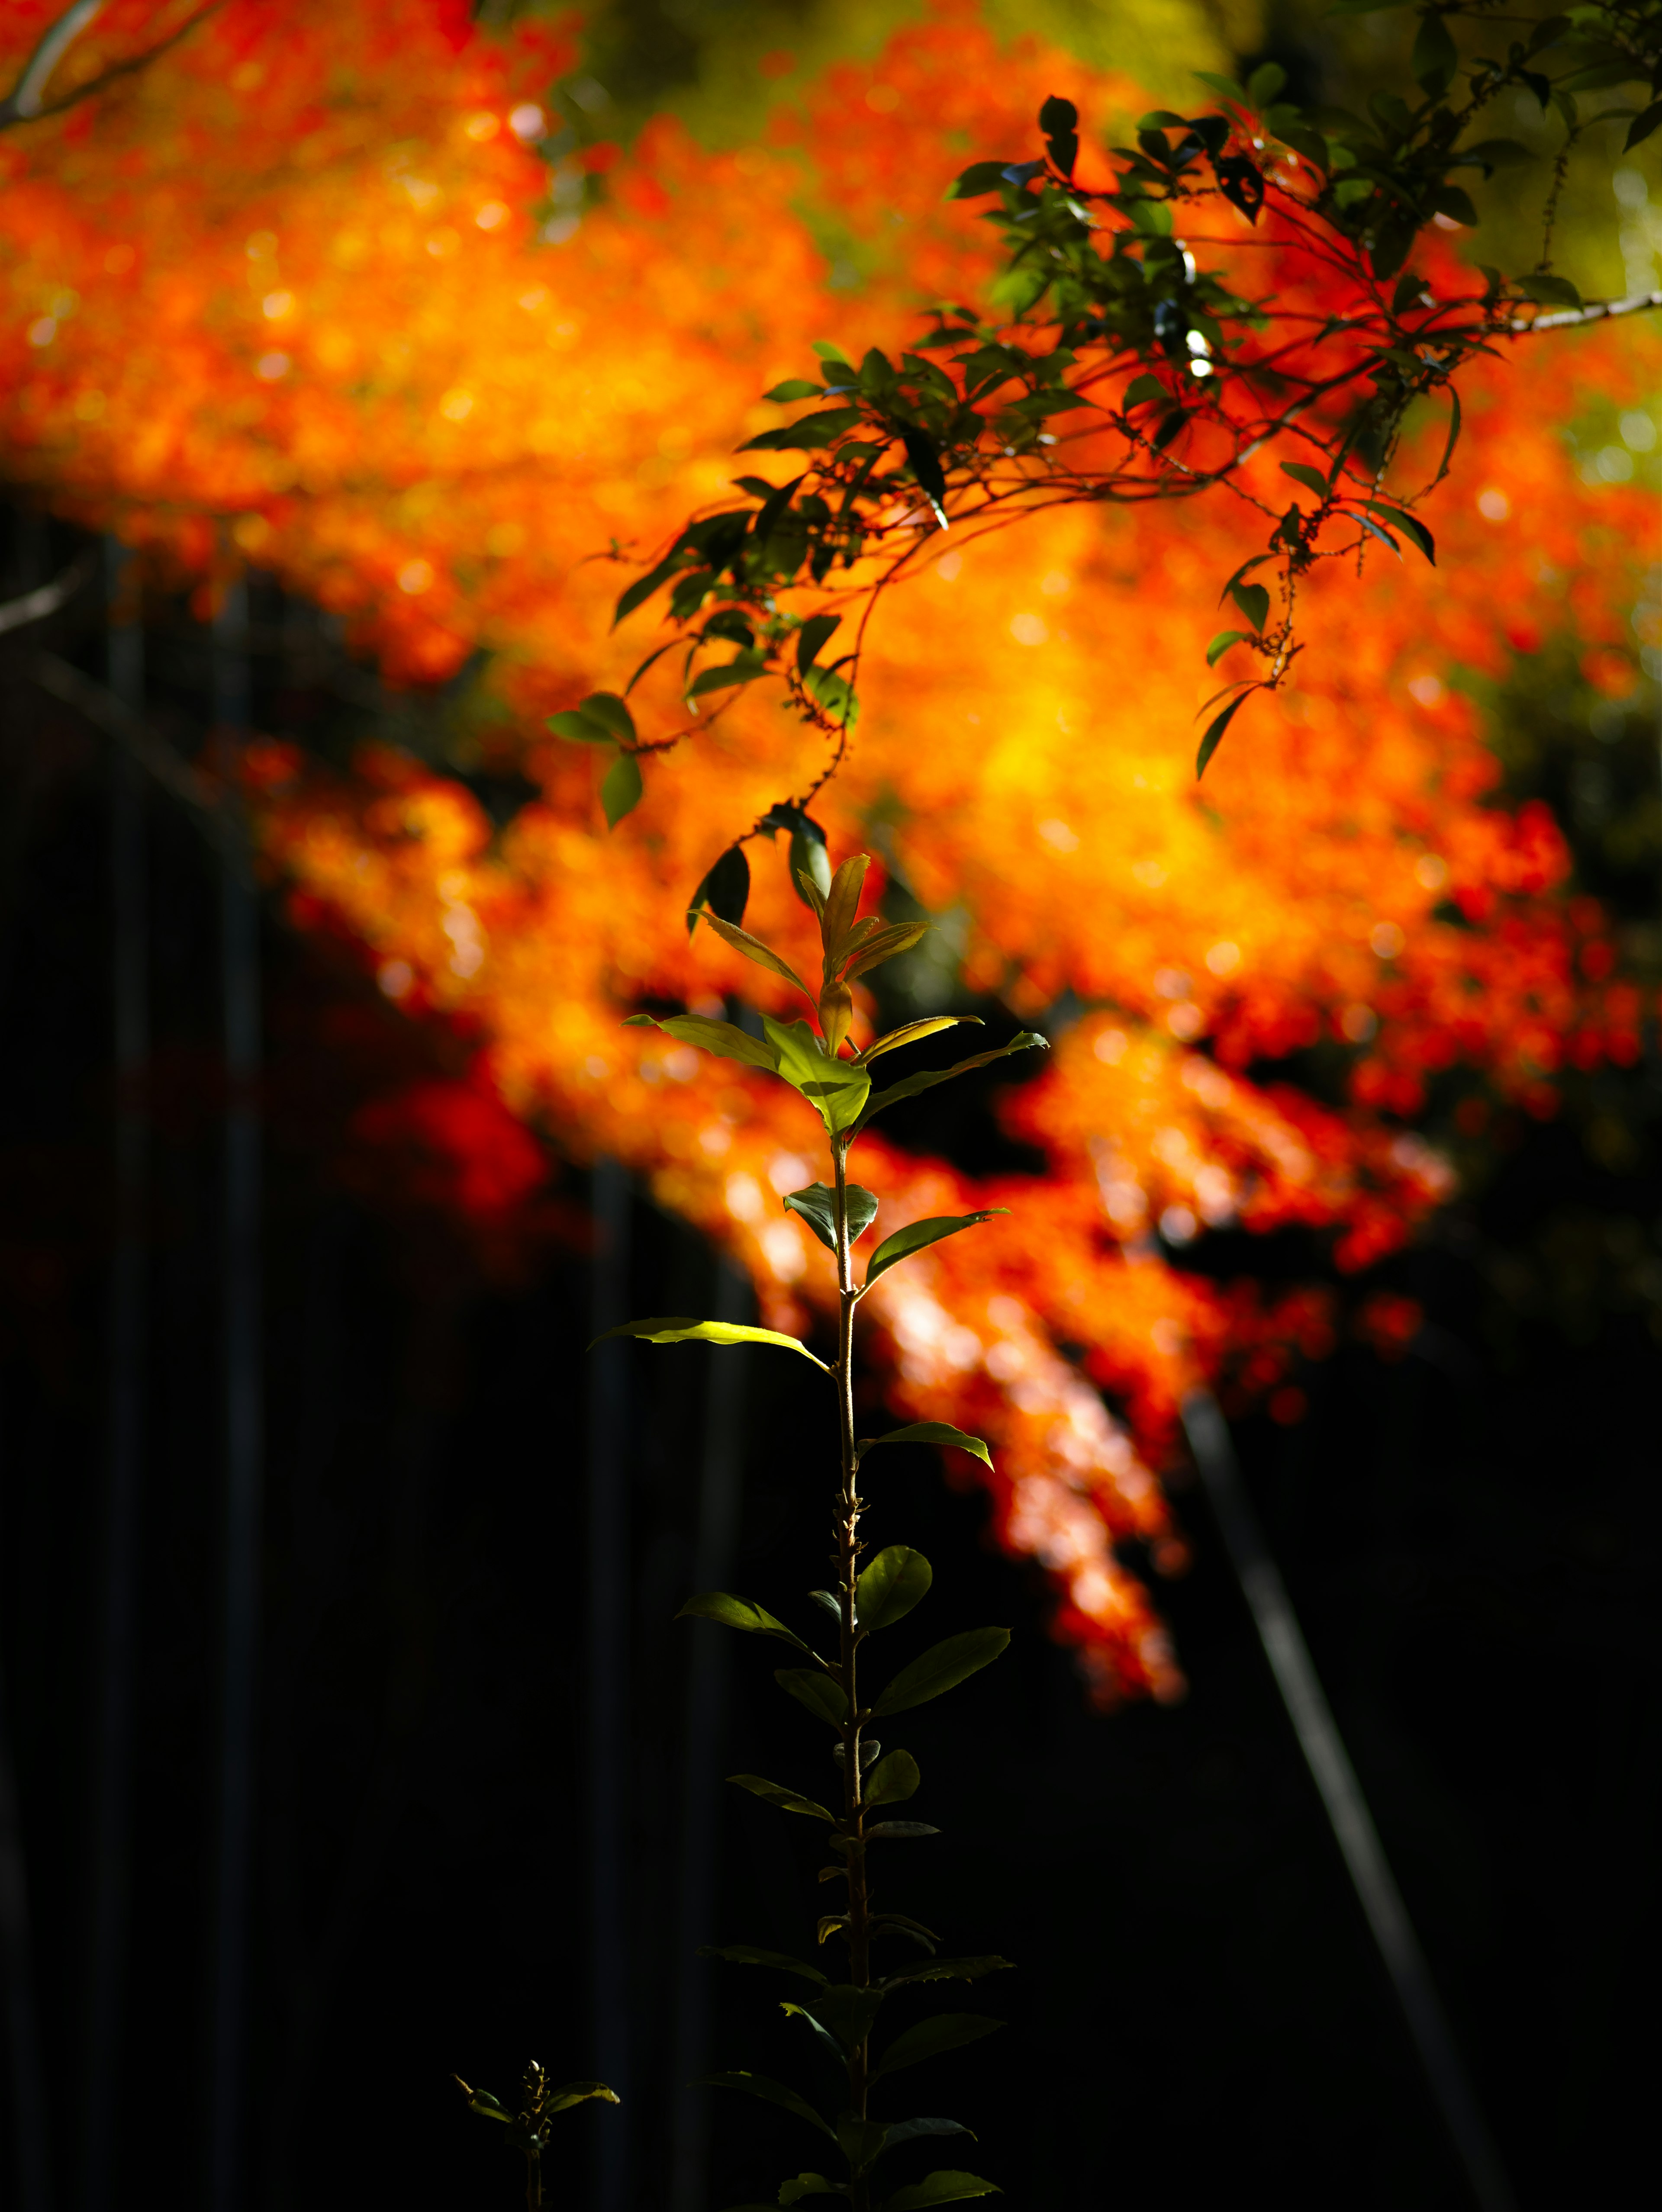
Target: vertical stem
(848,1561)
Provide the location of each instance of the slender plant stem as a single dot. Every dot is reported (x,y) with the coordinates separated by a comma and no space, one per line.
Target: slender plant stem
(848,1561)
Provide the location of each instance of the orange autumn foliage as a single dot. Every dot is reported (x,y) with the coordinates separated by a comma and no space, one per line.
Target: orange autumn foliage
(300,314)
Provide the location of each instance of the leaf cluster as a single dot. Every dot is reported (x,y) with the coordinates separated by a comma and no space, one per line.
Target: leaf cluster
(1113,339)
(850,2020)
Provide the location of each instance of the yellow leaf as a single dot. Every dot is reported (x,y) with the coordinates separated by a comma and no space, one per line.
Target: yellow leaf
(842,902)
(913,1030)
(898,937)
(835,1015)
(754,949)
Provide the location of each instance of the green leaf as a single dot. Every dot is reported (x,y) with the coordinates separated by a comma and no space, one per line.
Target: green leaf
(914,1032)
(909,2130)
(1435,57)
(1226,87)
(837,1089)
(1222,643)
(942,1667)
(573,724)
(1214,729)
(817,1207)
(644,586)
(788,1801)
(980,177)
(764,955)
(482,2102)
(911,1085)
(843,2011)
(794,387)
(899,1828)
(810,638)
(677,1328)
(950,1970)
(1143,390)
(1253,601)
(738,1613)
(607,709)
(1313,480)
(947,2031)
(1550,291)
(917,1235)
(930,1433)
(744,668)
(812,430)
(823,1698)
(892,1584)
(1644,125)
(1410,524)
(864,2141)
(1265,82)
(770,2093)
(892,1779)
(808,2185)
(944,2187)
(725,890)
(621,789)
(746,1954)
(725,1039)
(578,2093)
(1245,569)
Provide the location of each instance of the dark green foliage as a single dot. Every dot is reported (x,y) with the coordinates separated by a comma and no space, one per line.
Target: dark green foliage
(872,1596)
(527,2130)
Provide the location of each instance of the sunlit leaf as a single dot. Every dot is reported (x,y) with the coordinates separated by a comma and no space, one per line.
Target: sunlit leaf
(837,1089)
(917,1235)
(817,1207)
(578,2093)
(911,1085)
(892,1780)
(890,1586)
(930,1433)
(788,1801)
(674,1328)
(911,1032)
(754,949)
(723,1038)
(738,1613)
(942,1667)
(823,1698)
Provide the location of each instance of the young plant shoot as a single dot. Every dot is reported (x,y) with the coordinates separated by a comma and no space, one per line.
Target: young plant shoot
(851,2016)
(527,2128)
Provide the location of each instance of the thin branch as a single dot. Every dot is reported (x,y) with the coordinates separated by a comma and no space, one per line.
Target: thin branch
(1601,311)
(46,598)
(158,759)
(11,112)
(50,49)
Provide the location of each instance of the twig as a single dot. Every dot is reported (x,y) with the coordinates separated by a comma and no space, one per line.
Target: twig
(31,85)
(1601,311)
(46,598)
(159,761)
